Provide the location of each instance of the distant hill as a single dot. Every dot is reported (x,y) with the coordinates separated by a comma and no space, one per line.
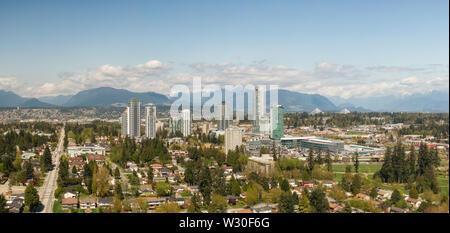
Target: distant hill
(10,99)
(292,101)
(105,96)
(352,108)
(299,102)
(435,101)
(35,103)
(59,100)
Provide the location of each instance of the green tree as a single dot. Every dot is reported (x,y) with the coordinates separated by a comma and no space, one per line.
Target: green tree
(195,206)
(235,187)
(356,184)
(329,161)
(347,208)
(117,205)
(118,190)
(304,206)
(373,193)
(3,207)
(101,180)
(413,193)
(253,196)
(412,160)
(274,151)
(31,198)
(310,160)
(319,159)
(318,200)
(205,181)
(171,207)
(117,173)
(47,159)
(284,185)
(218,204)
(74,170)
(162,189)
(396,196)
(27,171)
(287,203)
(356,163)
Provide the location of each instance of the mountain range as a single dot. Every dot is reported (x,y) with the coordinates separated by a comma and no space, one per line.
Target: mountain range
(435,101)
(292,101)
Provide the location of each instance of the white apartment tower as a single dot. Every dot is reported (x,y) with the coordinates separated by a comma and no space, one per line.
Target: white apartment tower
(150,120)
(186,122)
(259,111)
(223,122)
(124,122)
(233,138)
(134,118)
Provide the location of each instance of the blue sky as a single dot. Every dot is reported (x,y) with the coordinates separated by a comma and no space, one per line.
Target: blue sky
(46,47)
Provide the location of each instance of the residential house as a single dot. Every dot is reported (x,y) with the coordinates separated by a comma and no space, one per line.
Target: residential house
(232,200)
(88,203)
(362,196)
(156,166)
(292,183)
(165,171)
(105,202)
(28,155)
(179,201)
(384,195)
(146,190)
(397,210)
(261,208)
(68,203)
(78,162)
(70,195)
(308,184)
(154,202)
(239,211)
(159,179)
(328,184)
(193,189)
(414,202)
(99,159)
(335,207)
(16,203)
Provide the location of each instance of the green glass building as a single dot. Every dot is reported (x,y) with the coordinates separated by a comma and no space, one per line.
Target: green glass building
(276,122)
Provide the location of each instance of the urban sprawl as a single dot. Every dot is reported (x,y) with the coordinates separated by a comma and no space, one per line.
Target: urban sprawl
(142,160)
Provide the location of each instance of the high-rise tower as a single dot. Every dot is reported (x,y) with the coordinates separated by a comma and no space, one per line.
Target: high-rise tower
(150,120)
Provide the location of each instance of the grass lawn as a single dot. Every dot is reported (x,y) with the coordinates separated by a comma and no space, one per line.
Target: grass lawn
(370,169)
(363,168)
(338,176)
(57,208)
(443,183)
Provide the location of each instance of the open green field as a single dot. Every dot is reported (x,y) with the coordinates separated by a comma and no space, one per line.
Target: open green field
(443,183)
(363,168)
(370,169)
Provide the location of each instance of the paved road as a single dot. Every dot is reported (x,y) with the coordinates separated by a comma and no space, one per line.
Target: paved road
(47,190)
(4,188)
(123,178)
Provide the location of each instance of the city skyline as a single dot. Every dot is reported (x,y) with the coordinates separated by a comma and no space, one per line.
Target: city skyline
(346,49)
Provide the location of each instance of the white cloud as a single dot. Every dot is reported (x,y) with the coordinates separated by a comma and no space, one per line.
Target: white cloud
(325,78)
(142,77)
(8,83)
(325,67)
